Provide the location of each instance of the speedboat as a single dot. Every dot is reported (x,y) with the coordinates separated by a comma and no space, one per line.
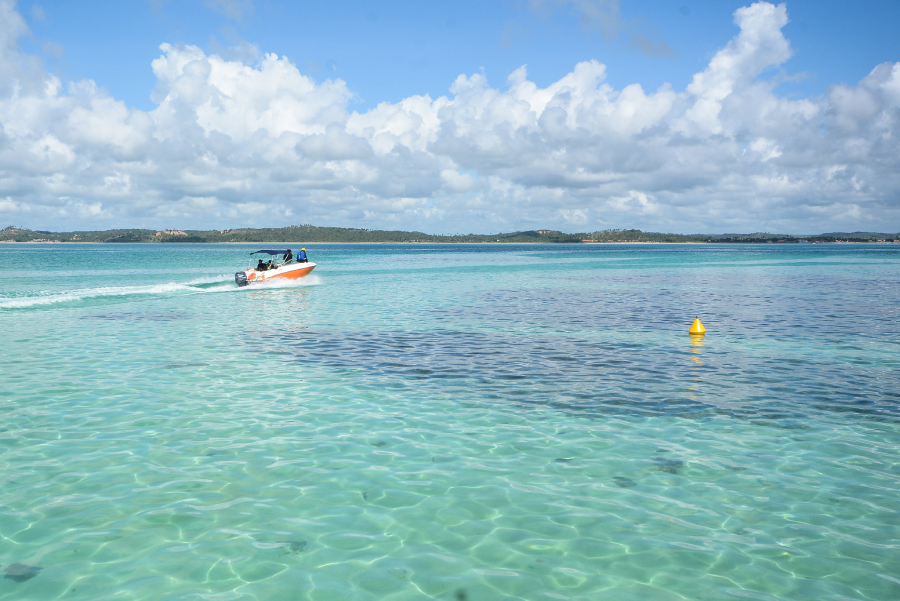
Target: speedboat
(275,269)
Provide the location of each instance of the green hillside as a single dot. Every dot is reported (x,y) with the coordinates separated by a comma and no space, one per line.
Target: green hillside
(312,234)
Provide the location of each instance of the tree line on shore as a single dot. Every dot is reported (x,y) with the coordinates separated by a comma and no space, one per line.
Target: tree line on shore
(311,234)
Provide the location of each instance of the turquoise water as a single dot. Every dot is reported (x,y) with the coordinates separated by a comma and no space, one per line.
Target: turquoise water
(461,423)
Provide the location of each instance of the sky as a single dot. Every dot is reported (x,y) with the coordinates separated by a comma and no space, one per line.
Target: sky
(690,116)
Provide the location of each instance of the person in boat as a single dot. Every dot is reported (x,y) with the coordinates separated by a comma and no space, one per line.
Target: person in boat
(288,256)
(270,264)
(260,266)
(301,256)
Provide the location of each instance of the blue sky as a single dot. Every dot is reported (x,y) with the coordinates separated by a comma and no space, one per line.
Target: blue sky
(688,116)
(387,51)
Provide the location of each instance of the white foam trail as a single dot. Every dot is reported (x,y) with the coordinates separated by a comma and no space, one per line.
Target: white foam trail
(212,280)
(76,295)
(188,287)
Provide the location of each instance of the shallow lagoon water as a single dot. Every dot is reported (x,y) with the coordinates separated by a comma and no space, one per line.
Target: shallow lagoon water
(451,422)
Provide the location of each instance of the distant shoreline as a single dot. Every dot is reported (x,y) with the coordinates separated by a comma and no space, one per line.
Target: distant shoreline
(295,243)
(308,234)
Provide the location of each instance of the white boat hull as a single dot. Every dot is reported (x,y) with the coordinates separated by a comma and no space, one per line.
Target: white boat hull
(282,273)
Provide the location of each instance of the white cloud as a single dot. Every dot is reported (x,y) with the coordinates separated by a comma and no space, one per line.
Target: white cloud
(456,181)
(767,149)
(575,217)
(8,205)
(634,202)
(232,144)
(758,46)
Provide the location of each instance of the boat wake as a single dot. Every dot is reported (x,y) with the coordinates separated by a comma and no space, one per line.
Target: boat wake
(223,283)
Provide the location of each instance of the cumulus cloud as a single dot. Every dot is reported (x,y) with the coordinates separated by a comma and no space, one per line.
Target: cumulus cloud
(232,144)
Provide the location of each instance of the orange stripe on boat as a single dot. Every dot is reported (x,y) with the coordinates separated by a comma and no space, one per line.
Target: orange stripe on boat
(293,274)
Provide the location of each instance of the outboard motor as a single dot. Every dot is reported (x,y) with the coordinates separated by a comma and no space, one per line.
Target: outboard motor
(240,278)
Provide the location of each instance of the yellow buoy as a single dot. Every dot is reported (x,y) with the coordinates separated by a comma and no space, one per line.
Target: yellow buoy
(697,328)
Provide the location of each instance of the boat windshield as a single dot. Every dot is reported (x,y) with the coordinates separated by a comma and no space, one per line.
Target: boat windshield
(270,259)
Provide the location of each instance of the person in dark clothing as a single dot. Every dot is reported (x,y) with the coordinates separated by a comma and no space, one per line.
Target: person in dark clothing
(260,266)
(288,256)
(301,256)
